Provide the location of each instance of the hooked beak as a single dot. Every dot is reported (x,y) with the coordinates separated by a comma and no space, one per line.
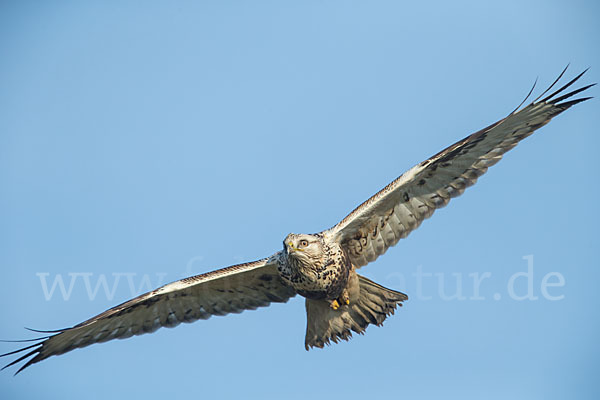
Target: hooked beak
(291,248)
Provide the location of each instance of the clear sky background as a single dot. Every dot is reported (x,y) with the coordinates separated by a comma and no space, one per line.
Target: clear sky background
(142,142)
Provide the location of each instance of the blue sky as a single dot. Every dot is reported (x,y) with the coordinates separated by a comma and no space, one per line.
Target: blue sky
(140,144)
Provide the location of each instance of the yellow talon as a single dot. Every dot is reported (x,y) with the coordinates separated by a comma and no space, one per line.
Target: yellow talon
(345,297)
(335,305)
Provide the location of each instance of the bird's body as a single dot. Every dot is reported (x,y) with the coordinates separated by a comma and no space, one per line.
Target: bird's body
(321,267)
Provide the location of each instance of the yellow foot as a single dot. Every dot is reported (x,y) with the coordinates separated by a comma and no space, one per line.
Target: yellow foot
(335,305)
(345,297)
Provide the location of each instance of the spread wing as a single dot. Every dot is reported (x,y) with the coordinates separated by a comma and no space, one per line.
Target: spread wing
(228,290)
(401,206)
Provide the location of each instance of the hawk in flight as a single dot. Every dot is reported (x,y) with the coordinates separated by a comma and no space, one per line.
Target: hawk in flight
(321,267)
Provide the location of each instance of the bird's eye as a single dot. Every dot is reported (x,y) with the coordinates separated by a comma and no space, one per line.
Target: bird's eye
(304,243)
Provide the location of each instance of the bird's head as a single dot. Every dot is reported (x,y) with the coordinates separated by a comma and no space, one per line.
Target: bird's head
(303,247)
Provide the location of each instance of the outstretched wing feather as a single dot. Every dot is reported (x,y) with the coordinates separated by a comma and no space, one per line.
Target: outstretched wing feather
(399,208)
(228,290)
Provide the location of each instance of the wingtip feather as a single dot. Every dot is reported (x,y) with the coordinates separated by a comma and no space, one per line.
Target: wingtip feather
(564,87)
(20,350)
(19,360)
(49,331)
(553,83)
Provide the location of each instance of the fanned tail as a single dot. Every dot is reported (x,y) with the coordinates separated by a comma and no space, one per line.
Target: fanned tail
(370,303)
